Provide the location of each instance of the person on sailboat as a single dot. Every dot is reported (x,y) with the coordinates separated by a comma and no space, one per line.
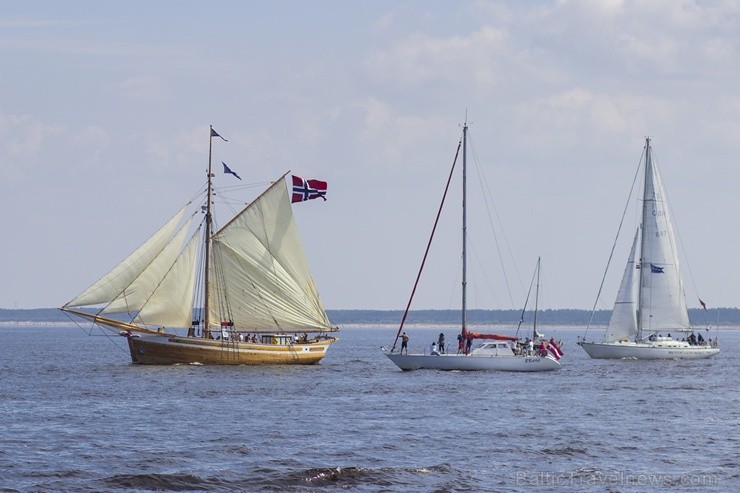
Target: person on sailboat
(433,350)
(441,343)
(460,343)
(405,343)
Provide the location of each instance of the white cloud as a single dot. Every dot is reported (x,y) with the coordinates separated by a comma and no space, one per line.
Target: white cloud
(22,135)
(420,58)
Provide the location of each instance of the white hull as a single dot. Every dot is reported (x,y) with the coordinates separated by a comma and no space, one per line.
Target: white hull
(472,362)
(646,350)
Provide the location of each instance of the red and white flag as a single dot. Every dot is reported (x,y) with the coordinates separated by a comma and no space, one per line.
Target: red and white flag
(554,349)
(307,189)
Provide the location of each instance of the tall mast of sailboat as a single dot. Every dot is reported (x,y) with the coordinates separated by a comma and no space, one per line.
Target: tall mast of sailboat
(464,227)
(209,219)
(644,239)
(536,301)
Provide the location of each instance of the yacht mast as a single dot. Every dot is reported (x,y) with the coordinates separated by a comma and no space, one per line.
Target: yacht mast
(643,241)
(536,301)
(464,229)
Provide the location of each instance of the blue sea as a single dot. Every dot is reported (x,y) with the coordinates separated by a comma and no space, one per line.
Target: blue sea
(78,416)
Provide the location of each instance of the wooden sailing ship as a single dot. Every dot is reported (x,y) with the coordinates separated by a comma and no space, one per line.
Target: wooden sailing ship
(192,293)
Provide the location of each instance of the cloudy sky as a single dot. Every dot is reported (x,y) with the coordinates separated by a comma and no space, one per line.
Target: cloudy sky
(105,107)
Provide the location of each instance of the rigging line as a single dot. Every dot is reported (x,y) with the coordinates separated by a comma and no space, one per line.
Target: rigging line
(197,295)
(429,244)
(614,245)
(200,192)
(454,294)
(526,302)
(104,332)
(483,271)
(485,187)
(169,269)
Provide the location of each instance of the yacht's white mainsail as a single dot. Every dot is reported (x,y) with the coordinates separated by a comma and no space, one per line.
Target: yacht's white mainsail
(623,322)
(261,272)
(662,300)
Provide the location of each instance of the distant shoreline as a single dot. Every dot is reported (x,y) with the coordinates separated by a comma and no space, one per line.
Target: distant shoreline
(720,317)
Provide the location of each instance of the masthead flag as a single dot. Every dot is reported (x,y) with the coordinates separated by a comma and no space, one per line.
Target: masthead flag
(215,134)
(228,170)
(307,189)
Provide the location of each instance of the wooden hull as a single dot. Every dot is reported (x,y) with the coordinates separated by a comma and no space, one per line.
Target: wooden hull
(633,350)
(472,362)
(167,350)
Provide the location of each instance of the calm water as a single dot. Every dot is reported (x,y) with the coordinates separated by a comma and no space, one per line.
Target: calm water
(77,416)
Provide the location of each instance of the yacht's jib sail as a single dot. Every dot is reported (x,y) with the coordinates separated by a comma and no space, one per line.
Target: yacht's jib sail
(662,301)
(623,322)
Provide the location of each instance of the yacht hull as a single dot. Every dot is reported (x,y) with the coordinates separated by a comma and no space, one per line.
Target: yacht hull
(472,362)
(167,350)
(637,350)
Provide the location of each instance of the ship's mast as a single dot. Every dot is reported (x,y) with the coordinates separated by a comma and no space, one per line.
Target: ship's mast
(644,239)
(209,219)
(464,229)
(536,301)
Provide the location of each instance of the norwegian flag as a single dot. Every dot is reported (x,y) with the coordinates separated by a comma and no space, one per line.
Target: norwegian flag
(307,189)
(554,349)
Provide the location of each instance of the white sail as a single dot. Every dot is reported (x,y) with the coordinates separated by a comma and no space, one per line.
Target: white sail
(110,286)
(259,270)
(171,304)
(623,322)
(662,301)
(134,296)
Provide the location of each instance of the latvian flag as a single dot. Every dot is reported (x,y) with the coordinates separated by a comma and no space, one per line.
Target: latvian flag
(554,349)
(307,189)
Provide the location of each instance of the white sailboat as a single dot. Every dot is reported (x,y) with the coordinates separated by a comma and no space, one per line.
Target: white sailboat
(496,352)
(240,295)
(651,301)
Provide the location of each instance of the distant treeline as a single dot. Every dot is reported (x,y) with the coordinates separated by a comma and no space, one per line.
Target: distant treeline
(721,316)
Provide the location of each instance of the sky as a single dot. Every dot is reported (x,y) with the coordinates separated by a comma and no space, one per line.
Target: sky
(105,108)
